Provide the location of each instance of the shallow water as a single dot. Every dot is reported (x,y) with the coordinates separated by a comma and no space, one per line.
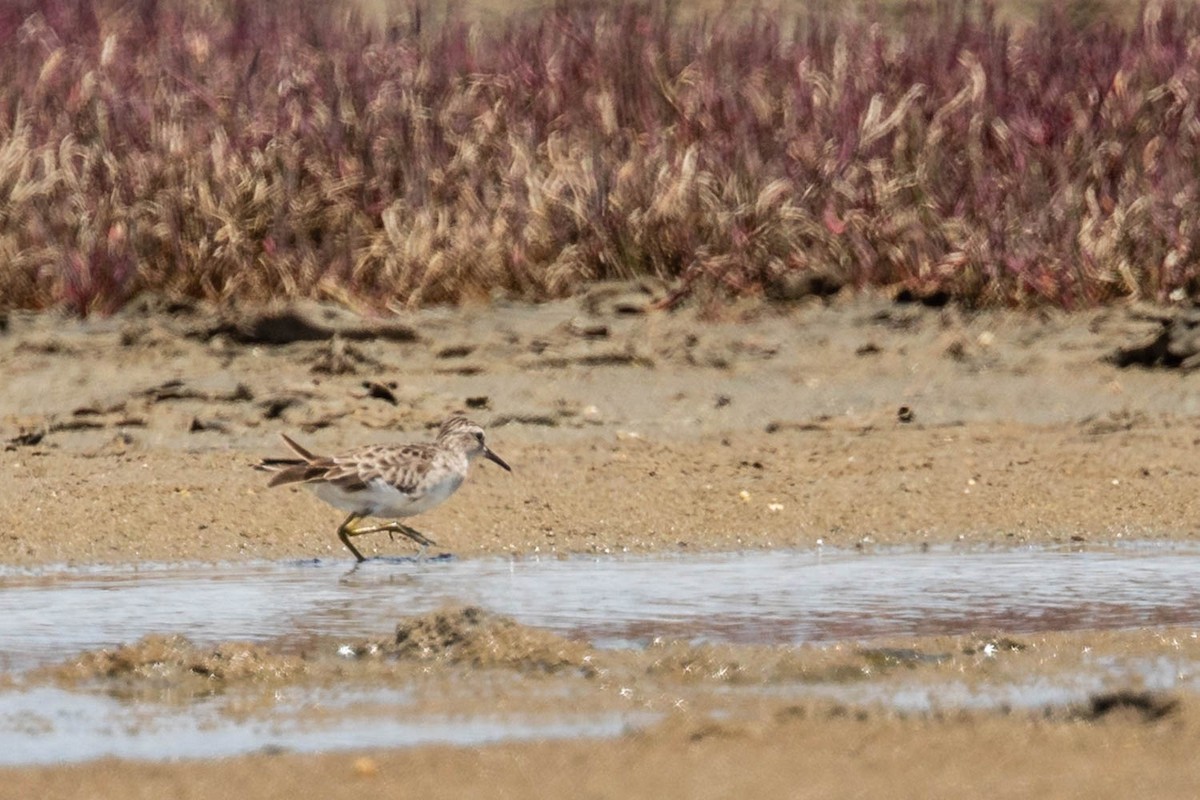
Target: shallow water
(756,597)
(47,725)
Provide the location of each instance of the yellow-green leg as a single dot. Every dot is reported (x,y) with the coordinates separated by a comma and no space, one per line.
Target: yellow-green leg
(398,527)
(345,531)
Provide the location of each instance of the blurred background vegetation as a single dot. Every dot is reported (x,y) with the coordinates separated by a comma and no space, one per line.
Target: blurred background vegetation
(384,155)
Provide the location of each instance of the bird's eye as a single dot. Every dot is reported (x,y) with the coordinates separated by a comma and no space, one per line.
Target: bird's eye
(479,436)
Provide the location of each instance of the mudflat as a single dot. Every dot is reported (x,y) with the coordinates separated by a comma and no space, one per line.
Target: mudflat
(856,422)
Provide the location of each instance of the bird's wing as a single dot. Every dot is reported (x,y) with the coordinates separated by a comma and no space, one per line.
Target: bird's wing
(402,468)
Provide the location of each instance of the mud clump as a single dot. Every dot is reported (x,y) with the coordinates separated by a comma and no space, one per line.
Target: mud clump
(472,636)
(1131,704)
(1175,346)
(174,660)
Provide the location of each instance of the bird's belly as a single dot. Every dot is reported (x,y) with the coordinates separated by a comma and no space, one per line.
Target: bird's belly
(433,495)
(381,499)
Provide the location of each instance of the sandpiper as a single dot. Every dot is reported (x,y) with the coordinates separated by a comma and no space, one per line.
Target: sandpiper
(389,481)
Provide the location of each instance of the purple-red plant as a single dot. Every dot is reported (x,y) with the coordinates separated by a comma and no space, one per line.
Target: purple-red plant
(245,151)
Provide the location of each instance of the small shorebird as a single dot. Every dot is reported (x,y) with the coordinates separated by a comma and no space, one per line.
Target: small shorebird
(388,481)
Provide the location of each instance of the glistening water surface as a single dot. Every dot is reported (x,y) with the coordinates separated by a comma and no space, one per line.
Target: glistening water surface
(756,597)
(50,615)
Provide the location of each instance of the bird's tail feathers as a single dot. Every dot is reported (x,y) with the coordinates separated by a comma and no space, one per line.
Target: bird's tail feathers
(291,470)
(297,449)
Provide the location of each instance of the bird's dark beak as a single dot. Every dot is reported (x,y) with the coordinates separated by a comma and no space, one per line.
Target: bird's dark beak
(490,456)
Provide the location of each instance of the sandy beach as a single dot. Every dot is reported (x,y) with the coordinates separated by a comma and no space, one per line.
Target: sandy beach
(857,423)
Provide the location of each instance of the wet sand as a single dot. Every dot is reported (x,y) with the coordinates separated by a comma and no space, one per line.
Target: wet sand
(858,424)
(837,757)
